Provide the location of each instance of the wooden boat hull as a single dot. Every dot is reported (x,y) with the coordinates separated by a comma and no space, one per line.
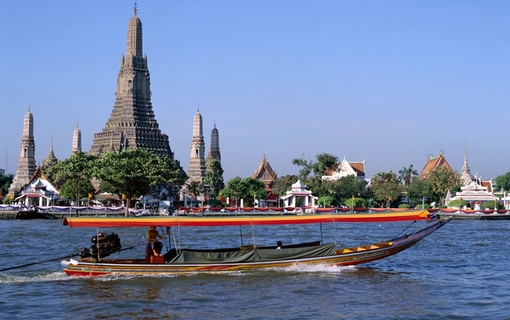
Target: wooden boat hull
(341,257)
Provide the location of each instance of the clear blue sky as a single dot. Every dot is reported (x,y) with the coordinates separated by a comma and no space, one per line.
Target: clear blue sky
(386,81)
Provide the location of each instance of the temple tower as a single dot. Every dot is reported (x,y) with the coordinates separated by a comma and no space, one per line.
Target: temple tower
(26,163)
(132,123)
(76,140)
(50,159)
(214,150)
(465,175)
(196,171)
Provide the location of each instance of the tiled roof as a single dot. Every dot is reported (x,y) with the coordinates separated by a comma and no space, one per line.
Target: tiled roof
(264,172)
(434,162)
(359,167)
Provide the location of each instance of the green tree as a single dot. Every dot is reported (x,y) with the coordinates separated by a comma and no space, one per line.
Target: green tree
(356,202)
(283,184)
(214,177)
(306,167)
(458,203)
(324,162)
(51,174)
(488,205)
(386,187)
(133,172)
(76,171)
(195,188)
(419,192)
(327,201)
(441,180)
(347,187)
(407,175)
(68,189)
(5,183)
(503,182)
(255,189)
(234,189)
(248,189)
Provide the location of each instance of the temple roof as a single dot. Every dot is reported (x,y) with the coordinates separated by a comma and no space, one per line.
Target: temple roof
(474,192)
(433,163)
(50,159)
(39,186)
(264,172)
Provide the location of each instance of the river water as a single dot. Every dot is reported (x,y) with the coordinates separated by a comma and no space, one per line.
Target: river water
(459,272)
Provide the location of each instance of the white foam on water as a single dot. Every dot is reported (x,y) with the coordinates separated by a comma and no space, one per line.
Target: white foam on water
(317,268)
(48,277)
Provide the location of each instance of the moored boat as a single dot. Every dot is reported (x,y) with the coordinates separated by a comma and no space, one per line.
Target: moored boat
(245,257)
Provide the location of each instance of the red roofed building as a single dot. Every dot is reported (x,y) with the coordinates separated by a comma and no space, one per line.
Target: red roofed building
(267,175)
(433,163)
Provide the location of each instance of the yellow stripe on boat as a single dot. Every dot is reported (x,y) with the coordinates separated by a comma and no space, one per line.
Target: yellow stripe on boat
(201,221)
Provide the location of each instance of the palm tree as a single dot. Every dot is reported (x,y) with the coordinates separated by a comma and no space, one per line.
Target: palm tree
(407,175)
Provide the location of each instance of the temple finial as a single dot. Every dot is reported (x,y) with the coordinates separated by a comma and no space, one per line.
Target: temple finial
(198,108)
(135,10)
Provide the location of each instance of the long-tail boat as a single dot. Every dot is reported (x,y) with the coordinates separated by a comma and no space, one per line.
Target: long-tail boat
(93,262)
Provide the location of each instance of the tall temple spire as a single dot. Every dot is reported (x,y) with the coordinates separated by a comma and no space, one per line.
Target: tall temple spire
(50,159)
(214,150)
(26,164)
(134,36)
(132,123)
(76,140)
(465,174)
(196,169)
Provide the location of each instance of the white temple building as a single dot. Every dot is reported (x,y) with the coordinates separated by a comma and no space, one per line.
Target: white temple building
(298,191)
(38,192)
(474,193)
(345,169)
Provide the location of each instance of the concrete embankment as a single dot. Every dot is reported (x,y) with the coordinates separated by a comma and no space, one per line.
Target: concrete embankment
(8,215)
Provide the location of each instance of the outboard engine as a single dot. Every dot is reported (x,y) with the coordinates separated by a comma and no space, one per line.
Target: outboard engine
(102,246)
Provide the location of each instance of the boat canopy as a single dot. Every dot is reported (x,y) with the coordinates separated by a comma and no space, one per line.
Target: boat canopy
(204,221)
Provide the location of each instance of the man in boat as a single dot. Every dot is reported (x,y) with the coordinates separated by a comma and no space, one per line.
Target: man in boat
(152,240)
(279,245)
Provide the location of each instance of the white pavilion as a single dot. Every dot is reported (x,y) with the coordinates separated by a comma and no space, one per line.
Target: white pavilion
(474,193)
(38,192)
(298,191)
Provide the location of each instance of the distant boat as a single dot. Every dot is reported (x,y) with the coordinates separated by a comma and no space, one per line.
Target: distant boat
(177,260)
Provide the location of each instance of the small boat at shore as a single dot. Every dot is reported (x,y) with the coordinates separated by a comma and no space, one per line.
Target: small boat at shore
(93,262)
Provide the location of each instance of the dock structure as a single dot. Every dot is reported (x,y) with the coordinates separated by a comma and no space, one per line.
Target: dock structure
(57,213)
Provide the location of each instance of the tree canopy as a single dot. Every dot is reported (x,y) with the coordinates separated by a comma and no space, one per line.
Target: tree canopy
(503,182)
(407,175)
(214,177)
(441,180)
(76,172)
(324,161)
(195,188)
(247,189)
(283,184)
(386,188)
(5,183)
(133,172)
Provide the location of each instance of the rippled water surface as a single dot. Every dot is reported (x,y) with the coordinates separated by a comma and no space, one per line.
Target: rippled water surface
(459,272)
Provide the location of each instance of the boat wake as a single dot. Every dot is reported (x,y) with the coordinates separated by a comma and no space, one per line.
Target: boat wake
(47,277)
(318,268)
